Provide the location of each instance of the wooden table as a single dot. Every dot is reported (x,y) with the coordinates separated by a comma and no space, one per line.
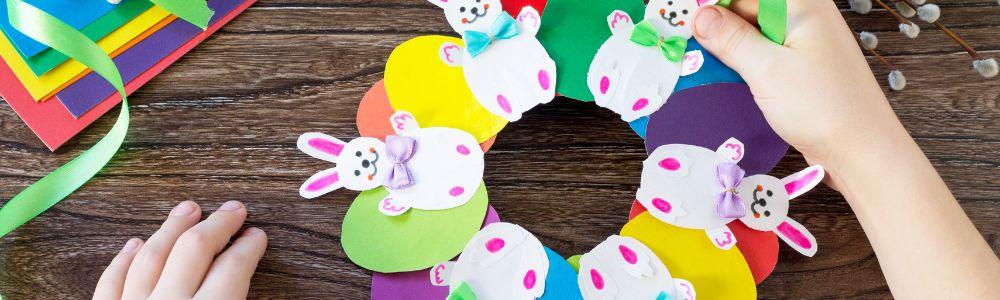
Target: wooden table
(221,124)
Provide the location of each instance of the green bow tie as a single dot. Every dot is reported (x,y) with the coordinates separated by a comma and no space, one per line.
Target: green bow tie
(672,48)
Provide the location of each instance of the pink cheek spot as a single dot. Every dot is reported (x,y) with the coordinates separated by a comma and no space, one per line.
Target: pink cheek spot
(662,205)
(462,149)
(504,104)
(596,279)
(640,104)
(670,164)
(456,191)
(494,245)
(544,80)
(629,255)
(529,279)
(605,84)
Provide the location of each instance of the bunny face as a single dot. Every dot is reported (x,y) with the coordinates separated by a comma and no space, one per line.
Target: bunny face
(465,15)
(673,17)
(361,164)
(766,201)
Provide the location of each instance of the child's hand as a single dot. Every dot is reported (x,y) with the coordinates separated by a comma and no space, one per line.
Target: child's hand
(816,90)
(182,259)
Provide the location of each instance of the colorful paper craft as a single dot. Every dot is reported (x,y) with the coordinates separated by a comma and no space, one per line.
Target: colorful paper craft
(49,58)
(694,187)
(707,115)
(572,33)
(636,69)
(374,109)
(54,125)
(417,81)
(623,268)
(501,261)
(42,87)
(506,67)
(414,284)
(716,273)
(74,13)
(413,241)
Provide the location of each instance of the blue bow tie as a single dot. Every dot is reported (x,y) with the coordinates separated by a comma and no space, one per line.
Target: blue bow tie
(503,28)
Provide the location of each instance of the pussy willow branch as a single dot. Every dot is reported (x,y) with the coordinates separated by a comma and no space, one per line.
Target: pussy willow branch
(875,53)
(895,14)
(968,48)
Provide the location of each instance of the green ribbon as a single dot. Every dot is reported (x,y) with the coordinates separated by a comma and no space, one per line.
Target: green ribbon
(193,11)
(646,35)
(772,16)
(52,32)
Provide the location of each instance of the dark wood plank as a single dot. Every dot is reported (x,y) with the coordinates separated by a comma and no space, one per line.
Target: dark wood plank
(221,124)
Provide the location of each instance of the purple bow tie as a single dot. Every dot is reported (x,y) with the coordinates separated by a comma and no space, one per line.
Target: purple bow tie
(729,204)
(399,149)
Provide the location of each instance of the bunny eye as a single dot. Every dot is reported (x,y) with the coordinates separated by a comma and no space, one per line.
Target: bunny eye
(769,193)
(357,173)
(767,213)
(358,154)
(461,9)
(684,11)
(670,2)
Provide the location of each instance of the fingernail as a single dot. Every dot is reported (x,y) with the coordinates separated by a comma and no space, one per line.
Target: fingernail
(252,231)
(708,21)
(131,245)
(183,209)
(231,206)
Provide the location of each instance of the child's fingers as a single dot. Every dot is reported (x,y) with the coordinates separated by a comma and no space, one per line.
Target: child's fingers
(229,276)
(196,248)
(148,263)
(113,279)
(746,9)
(736,43)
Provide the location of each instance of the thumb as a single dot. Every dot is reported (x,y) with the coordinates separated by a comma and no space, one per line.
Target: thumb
(736,43)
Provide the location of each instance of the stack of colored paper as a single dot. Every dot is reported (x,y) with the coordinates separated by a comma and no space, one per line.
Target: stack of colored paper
(57,97)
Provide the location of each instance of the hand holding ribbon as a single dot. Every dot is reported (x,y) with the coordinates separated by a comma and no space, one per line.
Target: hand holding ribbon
(729,204)
(503,28)
(399,150)
(646,35)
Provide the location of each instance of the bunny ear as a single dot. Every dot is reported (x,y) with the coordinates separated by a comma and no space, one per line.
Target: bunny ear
(803,181)
(323,182)
(321,146)
(439,3)
(450,54)
(797,236)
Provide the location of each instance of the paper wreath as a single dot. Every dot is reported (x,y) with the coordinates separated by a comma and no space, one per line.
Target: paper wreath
(716,273)
(437,94)
(416,240)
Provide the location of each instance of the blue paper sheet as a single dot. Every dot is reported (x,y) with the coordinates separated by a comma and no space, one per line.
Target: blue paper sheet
(76,13)
(560,283)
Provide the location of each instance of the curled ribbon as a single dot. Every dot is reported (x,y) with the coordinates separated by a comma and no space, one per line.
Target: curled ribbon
(646,35)
(399,149)
(729,204)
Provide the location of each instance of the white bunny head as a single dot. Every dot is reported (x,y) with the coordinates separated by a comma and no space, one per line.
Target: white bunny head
(674,17)
(767,199)
(623,268)
(361,164)
(470,14)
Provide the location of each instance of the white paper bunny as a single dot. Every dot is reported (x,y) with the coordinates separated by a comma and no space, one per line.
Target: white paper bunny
(624,268)
(694,187)
(506,67)
(502,261)
(423,168)
(633,78)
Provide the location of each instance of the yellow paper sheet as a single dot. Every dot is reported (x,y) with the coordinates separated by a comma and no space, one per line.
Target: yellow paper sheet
(43,87)
(417,81)
(689,254)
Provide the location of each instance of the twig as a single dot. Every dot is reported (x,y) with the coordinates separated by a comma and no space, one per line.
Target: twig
(968,48)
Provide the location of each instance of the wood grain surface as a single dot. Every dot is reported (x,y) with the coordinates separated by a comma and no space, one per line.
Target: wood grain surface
(221,124)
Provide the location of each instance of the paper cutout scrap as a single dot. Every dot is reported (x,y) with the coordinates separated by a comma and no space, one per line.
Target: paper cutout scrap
(414,284)
(51,122)
(44,86)
(623,268)
(437,94)
(76,14)
(571,33)
(707,115)
(513,7)
(374,109)
(717,274)
(694,187)
(636,69)
(507,69)
(760,248)
(501,261)
(413,241)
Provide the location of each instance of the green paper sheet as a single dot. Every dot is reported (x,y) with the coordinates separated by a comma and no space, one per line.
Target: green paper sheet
(415,240)
(572,32)
(48,59)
